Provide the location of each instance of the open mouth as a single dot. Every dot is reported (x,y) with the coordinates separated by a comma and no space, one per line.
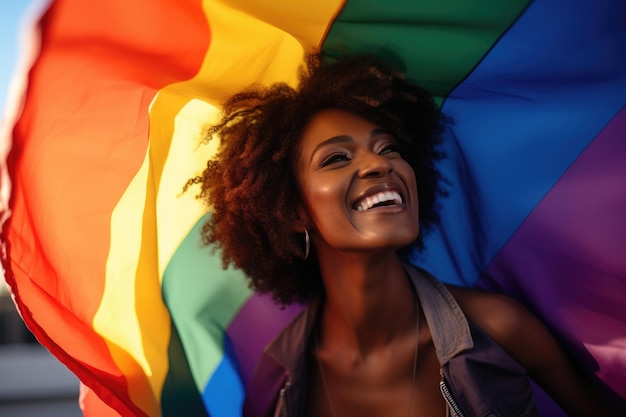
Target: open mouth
(381,199)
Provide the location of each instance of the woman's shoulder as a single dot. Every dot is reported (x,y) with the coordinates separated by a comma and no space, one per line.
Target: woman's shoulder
(510,324)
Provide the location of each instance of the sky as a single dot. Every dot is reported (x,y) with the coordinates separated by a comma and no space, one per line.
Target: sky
(11,17)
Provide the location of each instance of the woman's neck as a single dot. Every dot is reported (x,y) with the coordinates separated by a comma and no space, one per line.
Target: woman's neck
(369,303)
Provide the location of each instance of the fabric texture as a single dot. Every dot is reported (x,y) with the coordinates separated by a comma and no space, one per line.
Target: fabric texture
(101,248)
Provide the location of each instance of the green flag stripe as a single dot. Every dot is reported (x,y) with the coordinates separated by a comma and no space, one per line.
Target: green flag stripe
(440,41)
(202,299)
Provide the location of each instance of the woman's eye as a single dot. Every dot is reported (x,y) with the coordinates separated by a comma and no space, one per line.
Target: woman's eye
(389,148)
(336,157)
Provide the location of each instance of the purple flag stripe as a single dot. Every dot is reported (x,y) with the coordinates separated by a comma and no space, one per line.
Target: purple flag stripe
(258,322)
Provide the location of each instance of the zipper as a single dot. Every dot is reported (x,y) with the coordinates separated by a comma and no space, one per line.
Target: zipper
(447,396)
(281,406)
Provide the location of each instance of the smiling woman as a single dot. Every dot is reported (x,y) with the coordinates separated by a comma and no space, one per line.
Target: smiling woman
(316,194)
(254,201)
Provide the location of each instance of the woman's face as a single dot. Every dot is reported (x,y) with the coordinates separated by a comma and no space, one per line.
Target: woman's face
(358,193)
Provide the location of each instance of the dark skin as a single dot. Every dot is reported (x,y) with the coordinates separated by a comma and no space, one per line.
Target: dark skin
(367,329)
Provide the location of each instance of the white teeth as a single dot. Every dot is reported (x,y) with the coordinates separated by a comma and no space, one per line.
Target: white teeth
(369,202)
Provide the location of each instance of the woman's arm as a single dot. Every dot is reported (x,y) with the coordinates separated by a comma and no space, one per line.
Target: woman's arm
(531,344)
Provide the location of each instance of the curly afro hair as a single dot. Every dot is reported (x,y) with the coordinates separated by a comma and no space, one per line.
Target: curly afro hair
(250,186)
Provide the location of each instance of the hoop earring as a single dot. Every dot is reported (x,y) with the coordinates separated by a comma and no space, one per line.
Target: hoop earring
(307,244)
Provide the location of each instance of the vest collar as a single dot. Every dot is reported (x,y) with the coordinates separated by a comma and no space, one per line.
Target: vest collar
(448,326)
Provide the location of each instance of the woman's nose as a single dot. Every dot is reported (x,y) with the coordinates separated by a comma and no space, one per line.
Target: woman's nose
(374,165)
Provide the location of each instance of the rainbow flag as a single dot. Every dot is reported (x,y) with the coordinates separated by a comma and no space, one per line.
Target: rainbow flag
(101,246)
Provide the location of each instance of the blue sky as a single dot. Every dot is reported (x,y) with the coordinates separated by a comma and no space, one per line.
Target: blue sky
(11,15)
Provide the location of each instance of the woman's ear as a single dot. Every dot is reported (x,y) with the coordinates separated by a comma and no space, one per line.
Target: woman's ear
(303,221)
